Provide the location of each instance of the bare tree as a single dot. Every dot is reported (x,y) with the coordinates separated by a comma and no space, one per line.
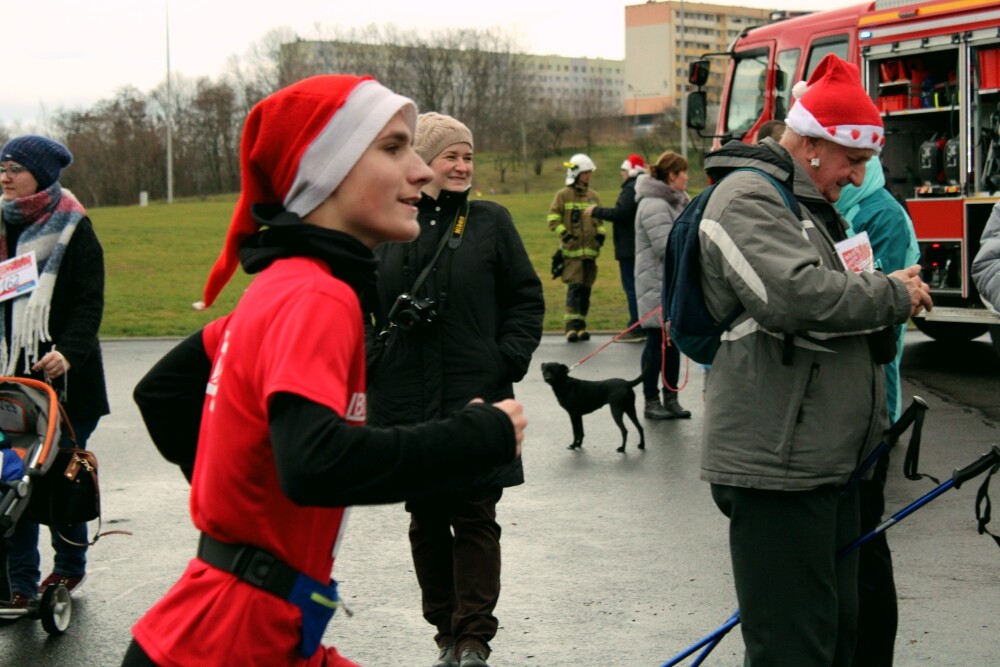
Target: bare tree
(216,121)
(258,72)
(592,108)
(118,153)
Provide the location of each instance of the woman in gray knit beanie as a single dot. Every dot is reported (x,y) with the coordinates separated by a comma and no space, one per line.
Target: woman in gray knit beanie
(482,312)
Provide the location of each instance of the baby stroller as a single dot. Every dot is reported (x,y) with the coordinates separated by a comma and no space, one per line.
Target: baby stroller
(31,424)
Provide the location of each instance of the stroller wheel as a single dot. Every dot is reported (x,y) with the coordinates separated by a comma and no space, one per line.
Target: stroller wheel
(55,609)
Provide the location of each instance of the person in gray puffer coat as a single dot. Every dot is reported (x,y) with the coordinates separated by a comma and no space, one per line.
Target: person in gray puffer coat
(986,266)
(796,396)
(661,196)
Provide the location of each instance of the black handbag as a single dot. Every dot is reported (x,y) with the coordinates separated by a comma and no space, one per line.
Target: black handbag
(69,492)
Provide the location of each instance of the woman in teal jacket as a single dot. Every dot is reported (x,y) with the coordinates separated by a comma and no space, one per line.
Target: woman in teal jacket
(871,208)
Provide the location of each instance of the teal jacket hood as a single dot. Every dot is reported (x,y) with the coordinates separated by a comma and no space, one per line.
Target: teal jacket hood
(872,201)
(851,195)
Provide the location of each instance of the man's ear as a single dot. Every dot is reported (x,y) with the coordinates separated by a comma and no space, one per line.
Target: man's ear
(813,147)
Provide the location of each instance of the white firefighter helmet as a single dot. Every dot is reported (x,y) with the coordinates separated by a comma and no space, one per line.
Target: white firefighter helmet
(578,164)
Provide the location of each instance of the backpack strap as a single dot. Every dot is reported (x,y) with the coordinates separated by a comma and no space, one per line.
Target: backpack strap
(783,189)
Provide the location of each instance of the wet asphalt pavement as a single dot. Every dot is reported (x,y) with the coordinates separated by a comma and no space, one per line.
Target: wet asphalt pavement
(609,559)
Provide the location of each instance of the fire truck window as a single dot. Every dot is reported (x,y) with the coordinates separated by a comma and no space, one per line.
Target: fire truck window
(746,99)
(821,47)
(788,65)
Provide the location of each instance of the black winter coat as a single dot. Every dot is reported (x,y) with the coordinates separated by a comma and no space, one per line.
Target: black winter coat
(489,307)
(74,320)
(622,218)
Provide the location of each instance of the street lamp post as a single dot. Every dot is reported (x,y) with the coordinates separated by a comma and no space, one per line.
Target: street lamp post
(169,116)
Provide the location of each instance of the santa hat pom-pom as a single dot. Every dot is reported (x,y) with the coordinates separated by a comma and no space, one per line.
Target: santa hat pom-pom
(198,305)
(799,89)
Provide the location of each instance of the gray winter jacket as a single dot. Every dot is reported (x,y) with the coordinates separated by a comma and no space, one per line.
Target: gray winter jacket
(808,423)
(659,206)
(986,266)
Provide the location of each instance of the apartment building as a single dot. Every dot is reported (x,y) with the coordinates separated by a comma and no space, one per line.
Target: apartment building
(576,85)
(661,38)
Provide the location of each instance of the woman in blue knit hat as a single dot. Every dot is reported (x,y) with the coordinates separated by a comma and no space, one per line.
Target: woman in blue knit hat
(50,332)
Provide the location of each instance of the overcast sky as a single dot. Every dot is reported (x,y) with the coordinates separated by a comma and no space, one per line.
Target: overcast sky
(71,54)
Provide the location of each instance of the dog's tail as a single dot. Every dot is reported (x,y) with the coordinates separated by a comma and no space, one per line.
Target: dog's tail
(645,370)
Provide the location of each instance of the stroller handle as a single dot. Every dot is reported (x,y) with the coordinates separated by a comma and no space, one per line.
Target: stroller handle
(977,467)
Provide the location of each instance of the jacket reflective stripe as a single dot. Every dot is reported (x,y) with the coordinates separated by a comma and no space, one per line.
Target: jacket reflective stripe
(582,252)
(734,257)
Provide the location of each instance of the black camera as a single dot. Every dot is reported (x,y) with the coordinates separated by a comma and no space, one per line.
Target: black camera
(574,215)
(409,311)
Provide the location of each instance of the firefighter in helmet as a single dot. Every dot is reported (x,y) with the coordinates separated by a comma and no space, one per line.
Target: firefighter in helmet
(581,237)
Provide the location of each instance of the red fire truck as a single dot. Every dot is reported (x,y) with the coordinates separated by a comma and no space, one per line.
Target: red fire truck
(933,68)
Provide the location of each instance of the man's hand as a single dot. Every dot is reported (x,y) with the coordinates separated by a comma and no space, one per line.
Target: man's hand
(920,292)
(590,209)
(515,411)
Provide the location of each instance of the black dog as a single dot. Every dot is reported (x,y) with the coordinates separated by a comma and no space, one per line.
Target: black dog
(581,397)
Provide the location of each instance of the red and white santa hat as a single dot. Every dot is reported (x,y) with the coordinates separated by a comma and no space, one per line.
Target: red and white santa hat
(834,106)
(298,145)
(634,165)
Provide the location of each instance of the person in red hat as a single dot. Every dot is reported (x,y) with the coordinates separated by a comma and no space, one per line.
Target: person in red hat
(622,217)
(796,396)
(265,408)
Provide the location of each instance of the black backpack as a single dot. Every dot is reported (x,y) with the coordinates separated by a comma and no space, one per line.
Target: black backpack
(692,327)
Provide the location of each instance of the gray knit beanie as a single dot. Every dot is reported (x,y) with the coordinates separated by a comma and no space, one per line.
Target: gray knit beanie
(435,132)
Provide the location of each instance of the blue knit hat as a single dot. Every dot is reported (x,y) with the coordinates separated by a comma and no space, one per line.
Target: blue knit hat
(42,156)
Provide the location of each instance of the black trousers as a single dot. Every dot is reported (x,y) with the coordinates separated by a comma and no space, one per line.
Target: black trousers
(136,657)
(455,542)
(798,602)
(877,611)
(655,359)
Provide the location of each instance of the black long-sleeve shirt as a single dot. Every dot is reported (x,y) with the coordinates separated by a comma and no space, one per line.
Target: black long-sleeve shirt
(322,460)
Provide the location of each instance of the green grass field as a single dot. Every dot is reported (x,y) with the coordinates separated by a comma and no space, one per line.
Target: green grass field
(157,257)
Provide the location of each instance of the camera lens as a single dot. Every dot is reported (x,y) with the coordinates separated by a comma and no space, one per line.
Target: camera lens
(406,319)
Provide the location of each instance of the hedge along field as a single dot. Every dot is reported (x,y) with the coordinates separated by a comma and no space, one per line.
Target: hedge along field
(157,257)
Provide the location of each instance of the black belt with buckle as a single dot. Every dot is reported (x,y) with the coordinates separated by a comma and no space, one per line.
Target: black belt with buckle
(252,565)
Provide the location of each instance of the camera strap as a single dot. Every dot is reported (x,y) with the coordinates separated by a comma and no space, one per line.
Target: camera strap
(453,238)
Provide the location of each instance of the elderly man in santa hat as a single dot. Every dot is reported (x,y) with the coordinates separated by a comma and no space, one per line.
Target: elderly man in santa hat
(796,397)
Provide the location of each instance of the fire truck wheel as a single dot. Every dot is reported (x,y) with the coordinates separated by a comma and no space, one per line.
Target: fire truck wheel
(950,332)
